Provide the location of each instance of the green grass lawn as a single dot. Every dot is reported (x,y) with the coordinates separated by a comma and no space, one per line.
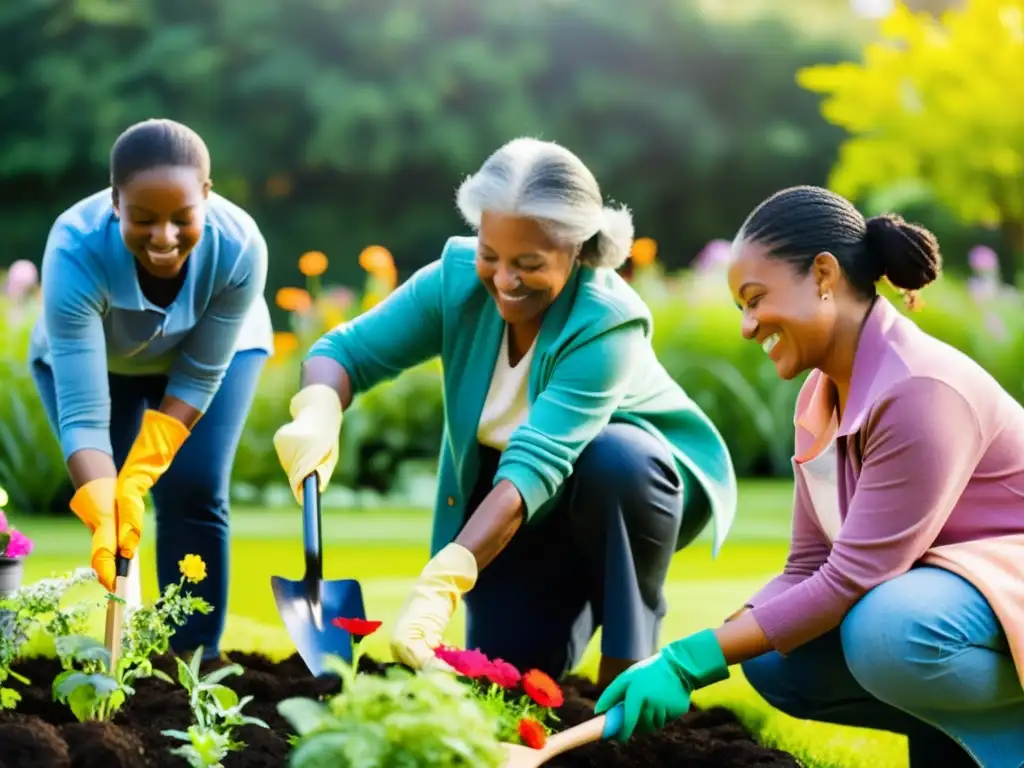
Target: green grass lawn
(385,549)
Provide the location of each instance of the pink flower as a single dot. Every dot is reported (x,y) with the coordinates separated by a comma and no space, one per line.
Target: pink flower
(20,545)
(21,278)
(504,674)
(983,259)
(715,254)
(472,664)
(3,521)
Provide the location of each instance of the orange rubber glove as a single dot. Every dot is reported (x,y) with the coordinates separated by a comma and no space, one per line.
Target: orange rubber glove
(94,504)
(158,442)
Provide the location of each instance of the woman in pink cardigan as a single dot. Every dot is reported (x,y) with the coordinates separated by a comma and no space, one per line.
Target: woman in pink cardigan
(901,606)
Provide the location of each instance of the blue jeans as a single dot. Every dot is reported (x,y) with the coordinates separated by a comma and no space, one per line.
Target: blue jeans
(192,499)
(599,558)
(921,655)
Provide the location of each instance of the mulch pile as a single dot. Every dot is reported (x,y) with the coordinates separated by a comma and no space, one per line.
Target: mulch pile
(43,733)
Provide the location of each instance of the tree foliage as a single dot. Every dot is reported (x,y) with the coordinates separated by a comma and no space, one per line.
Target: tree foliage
(345,122)
(937,101)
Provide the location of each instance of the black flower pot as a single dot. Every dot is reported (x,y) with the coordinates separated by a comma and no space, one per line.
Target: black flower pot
(11,569)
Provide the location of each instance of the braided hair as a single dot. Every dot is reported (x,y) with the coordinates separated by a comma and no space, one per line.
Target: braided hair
(800,222)
(157,143)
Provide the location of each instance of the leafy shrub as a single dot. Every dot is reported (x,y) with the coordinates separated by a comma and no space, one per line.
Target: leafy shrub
(399,424)
(398,718)
(32,467)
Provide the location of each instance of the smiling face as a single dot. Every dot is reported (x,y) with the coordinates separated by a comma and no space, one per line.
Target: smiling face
(784,311)
(162,213)
(521,266)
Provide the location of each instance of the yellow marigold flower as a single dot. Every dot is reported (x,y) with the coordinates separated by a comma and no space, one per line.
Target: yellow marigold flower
(192,568)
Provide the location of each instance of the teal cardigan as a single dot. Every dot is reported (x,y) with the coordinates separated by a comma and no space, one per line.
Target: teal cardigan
(593,363)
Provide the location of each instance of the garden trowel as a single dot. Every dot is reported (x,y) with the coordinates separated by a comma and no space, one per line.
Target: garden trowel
(601,727)
(308,607)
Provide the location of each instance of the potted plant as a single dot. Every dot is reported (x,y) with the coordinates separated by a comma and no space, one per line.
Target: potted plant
(14,547)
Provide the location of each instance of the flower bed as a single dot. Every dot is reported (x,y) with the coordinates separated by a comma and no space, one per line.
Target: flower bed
(42,732)
(158,711)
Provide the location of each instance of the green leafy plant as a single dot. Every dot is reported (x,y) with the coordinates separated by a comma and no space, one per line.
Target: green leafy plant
(89,686)
(35,606)
(217,711)
(398,718)
(9,645)
(92,690)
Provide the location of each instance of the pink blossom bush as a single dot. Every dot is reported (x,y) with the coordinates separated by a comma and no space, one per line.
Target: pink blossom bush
(13,543)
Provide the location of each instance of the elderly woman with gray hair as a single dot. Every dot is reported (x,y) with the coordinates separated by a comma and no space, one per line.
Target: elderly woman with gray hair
(572,466)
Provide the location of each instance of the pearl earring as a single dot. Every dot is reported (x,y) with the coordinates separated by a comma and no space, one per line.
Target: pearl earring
(824,296)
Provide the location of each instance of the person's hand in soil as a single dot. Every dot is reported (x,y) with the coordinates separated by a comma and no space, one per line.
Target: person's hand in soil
(94,504)
(430,606)
(658,690)
(310,442)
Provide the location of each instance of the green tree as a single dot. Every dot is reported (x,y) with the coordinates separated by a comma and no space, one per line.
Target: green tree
(937,102)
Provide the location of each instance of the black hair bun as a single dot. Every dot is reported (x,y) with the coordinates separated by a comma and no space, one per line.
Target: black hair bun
(909,253)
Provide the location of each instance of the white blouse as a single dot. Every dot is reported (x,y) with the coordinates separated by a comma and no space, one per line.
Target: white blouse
(506,406)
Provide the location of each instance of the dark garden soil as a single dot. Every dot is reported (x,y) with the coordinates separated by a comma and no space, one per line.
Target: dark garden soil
(42,733)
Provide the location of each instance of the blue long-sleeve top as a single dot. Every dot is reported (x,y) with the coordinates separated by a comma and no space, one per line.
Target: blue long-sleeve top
(96,320)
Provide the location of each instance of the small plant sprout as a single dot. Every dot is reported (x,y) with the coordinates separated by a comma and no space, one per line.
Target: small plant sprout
(216,711)
(395,719)
(358,629)
(95,692)
(148,629)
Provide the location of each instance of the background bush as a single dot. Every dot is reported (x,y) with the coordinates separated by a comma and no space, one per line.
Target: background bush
(391,435)
(344,123)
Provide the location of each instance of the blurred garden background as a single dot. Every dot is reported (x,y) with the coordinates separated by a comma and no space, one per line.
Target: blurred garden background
(344,127)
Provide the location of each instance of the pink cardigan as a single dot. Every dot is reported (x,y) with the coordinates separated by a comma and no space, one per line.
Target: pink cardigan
(928,467)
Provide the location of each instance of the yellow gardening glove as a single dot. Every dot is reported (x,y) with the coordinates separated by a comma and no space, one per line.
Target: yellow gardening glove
(309,443)
(158,442)
(430,606)
(94,503)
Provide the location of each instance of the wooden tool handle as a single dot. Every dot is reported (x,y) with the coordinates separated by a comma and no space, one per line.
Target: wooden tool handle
(601,727)
(115,612)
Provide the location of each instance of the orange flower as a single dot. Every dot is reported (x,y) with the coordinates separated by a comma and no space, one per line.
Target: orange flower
(377,260)
(532,733)
(313,263)
(293,299)
(644,252)
(284,343)
(542,689)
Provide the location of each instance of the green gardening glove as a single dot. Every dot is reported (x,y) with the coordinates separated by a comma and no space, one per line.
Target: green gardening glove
(658,689)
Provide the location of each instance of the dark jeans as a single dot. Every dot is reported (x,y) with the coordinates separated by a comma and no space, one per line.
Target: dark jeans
(599,558)
(192,499)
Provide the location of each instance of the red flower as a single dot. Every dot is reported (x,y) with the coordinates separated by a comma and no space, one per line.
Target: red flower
(357,627)
(504,674)
(542,689)
(472,664)
(532,733)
